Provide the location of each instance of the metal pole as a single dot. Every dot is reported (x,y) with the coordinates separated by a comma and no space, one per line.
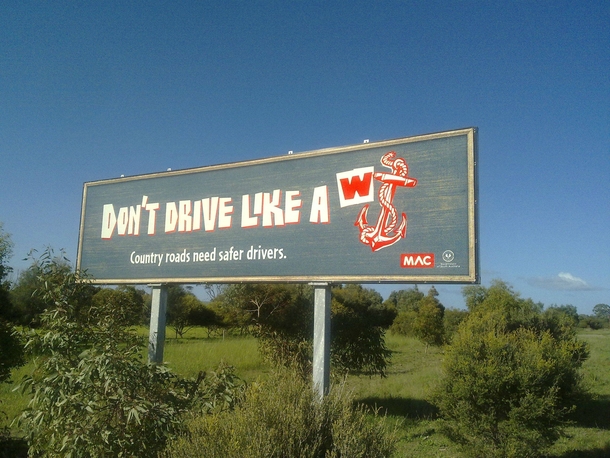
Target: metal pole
(321,339)
(156,336)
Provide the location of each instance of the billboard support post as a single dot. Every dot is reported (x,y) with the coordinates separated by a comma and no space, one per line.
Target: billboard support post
(156,337)
(321,339)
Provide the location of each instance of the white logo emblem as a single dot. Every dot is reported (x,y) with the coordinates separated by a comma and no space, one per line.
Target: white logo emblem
(448,256)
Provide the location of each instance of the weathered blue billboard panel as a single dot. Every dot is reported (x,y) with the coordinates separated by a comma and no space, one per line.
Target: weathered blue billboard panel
(394,211)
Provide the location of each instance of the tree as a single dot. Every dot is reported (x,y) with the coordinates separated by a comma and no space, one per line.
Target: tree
(511,377)
(281,316)
(230,317)
(125,298)
(592,322)
(602,311)
(185,311)
(27,305)
(419,315)
(558,313)
(11,346)
(404,323)
(405,299)
(451,321)
(177,308)
(474,295)
(11,356)
(201,315)
(6,251)
(428,325)
(358,324)
(11,350)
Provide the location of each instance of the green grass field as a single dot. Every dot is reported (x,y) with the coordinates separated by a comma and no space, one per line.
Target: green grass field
(403,395)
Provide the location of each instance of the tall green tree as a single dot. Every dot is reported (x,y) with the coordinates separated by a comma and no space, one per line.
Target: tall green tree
(452,318)
(177,311)
(11,350)
(419,315)
(11,356)
(185,311)
(127,298)
(405,300)
(6,252)
(358,326)
(27,306)
(602,311)
(559,313)
(428,325)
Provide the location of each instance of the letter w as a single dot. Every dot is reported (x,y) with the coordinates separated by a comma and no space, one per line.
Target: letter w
(355,186)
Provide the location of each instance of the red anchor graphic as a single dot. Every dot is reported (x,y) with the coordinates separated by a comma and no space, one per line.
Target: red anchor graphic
(385,232)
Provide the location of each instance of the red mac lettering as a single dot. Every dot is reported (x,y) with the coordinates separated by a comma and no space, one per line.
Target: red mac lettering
(417,260)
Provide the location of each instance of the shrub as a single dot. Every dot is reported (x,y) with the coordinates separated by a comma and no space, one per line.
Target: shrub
(403,324)
(428,325)
(11,350)
(11,356)
(283,417)
(451,320)
(92,395)
(358,325)
(510,378)
(591,322)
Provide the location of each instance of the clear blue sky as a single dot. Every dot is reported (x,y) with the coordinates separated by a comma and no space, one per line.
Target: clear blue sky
(94,90)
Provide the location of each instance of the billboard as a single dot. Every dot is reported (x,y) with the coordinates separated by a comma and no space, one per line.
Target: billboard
(400,210)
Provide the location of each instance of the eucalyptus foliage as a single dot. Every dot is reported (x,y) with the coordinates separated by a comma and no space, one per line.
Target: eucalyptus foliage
(27,296)
(92,395)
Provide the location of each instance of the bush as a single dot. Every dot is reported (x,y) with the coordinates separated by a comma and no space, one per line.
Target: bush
(283,417)
(358,325)
(592,322)
(11,350)
(403,324)
(451,321)
(11,356)
(26,294)
(428,325)
(92,394)
(510,378)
